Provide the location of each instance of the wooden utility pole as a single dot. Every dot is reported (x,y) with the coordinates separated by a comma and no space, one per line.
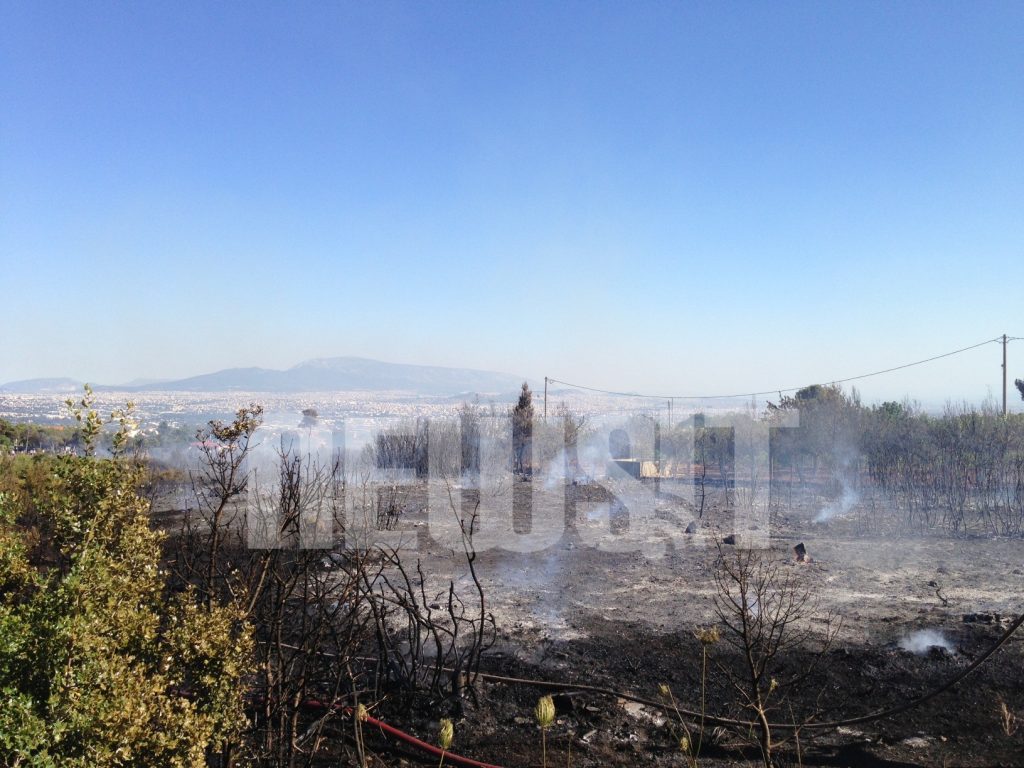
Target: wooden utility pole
(657,460)
(1004,373)
(546,399)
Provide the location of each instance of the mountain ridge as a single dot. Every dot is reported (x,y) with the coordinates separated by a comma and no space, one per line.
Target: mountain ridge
(322,374)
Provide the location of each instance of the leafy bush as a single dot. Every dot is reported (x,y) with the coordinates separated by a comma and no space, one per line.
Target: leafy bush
(99,663)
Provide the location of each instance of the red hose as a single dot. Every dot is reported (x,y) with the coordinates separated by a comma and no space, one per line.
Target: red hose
(449,757)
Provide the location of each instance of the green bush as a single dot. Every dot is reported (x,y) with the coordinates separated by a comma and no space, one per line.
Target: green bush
(100,665)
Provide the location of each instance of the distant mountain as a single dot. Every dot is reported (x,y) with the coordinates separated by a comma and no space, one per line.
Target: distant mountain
(58,386)
(229,380)
(333,374)
(349,373)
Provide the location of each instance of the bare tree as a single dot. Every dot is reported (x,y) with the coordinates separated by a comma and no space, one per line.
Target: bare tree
(766,616)
(427,638)
(301,602)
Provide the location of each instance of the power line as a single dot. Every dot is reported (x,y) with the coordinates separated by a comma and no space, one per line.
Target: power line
(784,389)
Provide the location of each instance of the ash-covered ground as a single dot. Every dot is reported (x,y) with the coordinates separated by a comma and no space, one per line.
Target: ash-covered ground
(915,609)
(909,610)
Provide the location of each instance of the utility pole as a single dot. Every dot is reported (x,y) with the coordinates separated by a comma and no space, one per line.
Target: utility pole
(657,460)
(546,399)
(1004,373)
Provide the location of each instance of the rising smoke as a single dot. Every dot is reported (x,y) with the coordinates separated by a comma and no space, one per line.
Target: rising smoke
(838,507)
(923,640)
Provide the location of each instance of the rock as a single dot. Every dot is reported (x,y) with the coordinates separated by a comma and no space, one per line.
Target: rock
(692,527)
(333,560)
(800,553)
(978,618)
(563,704)
(632,707)
(917,742)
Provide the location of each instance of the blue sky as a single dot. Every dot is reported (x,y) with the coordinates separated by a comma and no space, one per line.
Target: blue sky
(683,197)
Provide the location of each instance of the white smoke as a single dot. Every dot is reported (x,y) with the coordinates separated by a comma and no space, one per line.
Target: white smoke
(846,501)
(919,642)
(555,472)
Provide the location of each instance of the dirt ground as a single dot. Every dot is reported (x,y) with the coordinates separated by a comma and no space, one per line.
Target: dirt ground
(575,614)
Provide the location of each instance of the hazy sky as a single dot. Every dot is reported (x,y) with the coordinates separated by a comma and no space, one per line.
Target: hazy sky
(683,197)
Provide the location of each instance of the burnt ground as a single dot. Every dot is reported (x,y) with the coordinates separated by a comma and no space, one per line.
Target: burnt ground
(959,728)
(575,614)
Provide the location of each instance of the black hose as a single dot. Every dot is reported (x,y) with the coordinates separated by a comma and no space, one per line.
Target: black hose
(732,723)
